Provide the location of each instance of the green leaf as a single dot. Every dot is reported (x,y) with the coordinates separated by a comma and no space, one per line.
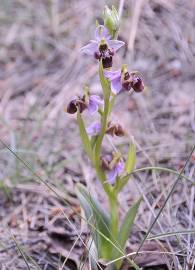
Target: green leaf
(99,218)
(131,158)
(129,166)
(84,137)
(127,224)
(125,231)
(104,82)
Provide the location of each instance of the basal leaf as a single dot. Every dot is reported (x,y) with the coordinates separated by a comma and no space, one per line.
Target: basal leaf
(99,218)
(125,231)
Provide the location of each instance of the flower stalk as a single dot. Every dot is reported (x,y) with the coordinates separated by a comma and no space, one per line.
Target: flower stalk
(111,169)
(114,215)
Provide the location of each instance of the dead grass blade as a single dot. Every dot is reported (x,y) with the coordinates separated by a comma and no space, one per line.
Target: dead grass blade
(164,204)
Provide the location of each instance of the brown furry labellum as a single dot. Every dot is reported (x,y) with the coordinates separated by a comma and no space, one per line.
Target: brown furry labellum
(76,104)
(105,54)
(132,80)
(137,83)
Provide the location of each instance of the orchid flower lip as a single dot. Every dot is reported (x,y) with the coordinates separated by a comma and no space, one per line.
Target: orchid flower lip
(137,84)
(77,103)
(90,102)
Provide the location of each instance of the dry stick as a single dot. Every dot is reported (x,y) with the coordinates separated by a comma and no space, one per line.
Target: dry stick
(169,195)
(120,9)
(157,236)
(134,24)
(146,252)
(163,170)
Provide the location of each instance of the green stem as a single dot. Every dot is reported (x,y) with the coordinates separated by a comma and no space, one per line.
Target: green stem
(114,227)
(114,216)
(111,104)
(103,130)
(97,149)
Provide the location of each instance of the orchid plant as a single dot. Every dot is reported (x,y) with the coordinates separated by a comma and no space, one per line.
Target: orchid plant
(109,236)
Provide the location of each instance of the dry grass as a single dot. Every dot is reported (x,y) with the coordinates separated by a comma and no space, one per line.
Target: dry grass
(40,70)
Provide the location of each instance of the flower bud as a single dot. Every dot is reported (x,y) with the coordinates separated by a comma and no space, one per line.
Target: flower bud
(111,20)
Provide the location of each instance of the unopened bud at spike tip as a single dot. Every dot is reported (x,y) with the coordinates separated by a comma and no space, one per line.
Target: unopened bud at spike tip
(111,20)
